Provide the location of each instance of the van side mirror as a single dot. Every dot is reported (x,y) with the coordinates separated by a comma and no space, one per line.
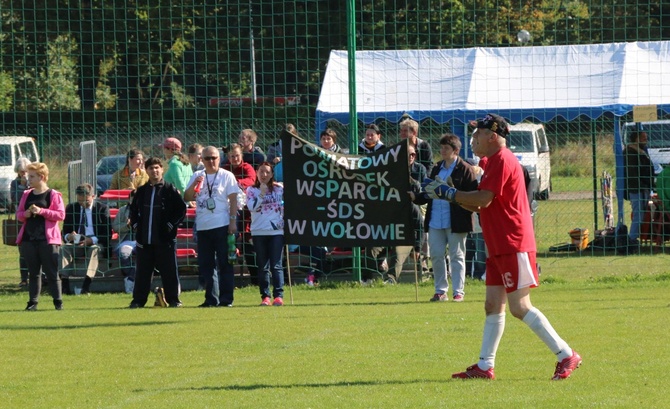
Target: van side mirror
(543,149)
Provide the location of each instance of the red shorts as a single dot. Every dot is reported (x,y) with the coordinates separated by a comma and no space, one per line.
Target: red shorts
(513,271)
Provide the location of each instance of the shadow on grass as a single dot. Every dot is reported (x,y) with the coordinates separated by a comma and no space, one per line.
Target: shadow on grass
(345,384)
(81,326)
(11,289)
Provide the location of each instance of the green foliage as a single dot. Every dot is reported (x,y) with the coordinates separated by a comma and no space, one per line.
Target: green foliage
(104,98)
(285,43)
(7,89)
(179,96)
(57,82)
(574,157)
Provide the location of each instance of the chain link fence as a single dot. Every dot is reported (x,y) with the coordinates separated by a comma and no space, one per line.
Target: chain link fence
(128,75)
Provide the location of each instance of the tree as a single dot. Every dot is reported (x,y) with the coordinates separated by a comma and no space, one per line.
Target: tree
(56,85)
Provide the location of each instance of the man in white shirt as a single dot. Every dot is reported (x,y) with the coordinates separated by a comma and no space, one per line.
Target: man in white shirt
(215,192)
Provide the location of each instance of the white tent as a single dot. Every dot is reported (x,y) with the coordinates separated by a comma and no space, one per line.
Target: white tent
(516,82)
(458,85)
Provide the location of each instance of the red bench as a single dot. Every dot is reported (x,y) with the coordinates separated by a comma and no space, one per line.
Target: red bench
(116,195)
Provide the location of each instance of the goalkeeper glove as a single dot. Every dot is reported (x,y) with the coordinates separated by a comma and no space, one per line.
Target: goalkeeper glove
(439,189)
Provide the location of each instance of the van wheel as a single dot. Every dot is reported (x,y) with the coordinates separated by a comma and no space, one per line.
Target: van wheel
(543,195)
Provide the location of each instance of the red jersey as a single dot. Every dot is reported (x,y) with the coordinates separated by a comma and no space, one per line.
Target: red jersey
(506,224)
(482,163)
(245,174)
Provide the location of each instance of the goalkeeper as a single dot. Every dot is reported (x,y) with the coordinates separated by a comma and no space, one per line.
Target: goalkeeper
(508,233)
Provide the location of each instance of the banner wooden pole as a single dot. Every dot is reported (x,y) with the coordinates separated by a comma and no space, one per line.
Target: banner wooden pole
(416,276)
(288,268)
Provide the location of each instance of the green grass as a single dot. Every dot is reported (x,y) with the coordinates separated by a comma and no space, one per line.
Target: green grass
(555,218)
(342,347)
(346,346)
(561,184)
(574,159)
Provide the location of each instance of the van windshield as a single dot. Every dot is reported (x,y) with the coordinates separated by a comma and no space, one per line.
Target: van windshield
(520,141)
(6,155)
(658,134)
(28,151)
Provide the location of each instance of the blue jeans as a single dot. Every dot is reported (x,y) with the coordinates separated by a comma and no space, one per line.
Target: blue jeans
(126,251)
(638,202)
(213,251)
(269,253)
(439,239)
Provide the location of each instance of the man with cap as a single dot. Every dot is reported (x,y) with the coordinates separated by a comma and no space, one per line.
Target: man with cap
(508,233)
(86,232)
(178,171)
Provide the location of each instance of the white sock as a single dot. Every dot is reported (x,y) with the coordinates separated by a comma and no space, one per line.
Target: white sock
(543,329)
(494,327)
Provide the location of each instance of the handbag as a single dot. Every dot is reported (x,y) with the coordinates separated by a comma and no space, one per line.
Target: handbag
(10,230)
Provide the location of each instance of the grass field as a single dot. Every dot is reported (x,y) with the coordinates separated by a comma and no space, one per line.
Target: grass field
(345,346)
(342,346)
(335,348)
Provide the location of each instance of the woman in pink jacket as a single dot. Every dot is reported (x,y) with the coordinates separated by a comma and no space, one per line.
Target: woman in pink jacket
(40,210)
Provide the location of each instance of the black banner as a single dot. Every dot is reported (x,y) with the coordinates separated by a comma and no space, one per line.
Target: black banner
(340,200)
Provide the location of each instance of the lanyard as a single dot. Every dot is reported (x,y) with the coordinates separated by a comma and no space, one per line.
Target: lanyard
(209,187)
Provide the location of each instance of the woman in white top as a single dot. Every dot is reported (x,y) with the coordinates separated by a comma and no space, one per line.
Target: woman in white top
(265,200)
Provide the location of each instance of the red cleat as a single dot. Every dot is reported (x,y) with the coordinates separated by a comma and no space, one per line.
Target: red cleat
(265,302)
(474,372)
(565,368)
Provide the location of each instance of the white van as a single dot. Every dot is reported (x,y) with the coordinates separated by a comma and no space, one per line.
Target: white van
(529,144)
(11,149)
(658,140)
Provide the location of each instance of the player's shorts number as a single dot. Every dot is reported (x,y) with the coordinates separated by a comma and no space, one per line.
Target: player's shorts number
(508,279)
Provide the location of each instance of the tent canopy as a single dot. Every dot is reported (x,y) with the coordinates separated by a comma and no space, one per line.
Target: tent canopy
(516,82)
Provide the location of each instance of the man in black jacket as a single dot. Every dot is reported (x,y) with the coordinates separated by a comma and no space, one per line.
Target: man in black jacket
(155,212)
(86,232)
(447,223)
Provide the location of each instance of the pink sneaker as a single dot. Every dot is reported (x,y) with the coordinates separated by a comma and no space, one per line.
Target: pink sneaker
(439,297)
(278,302)
(458,298)
(565,368)
(265,302)
(474,372)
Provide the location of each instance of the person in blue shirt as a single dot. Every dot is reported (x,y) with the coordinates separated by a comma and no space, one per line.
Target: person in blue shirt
(448,224)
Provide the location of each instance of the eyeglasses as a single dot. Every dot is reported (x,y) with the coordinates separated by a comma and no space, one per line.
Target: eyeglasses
(412,154)
(211,158)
